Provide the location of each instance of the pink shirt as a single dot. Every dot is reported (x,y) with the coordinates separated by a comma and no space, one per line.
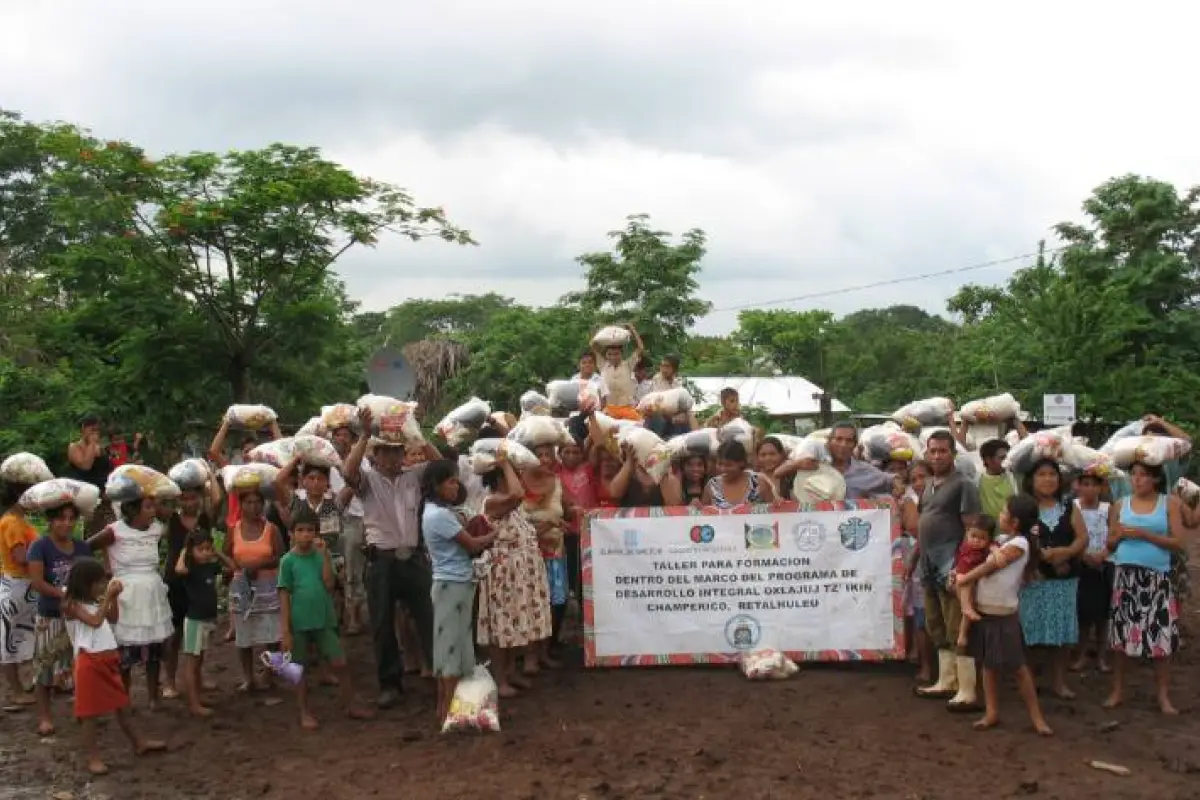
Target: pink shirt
(579,486)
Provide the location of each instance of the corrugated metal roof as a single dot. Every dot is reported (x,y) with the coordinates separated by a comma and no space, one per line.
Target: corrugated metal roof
(781,396)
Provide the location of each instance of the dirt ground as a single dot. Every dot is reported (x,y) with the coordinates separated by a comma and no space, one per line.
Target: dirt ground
(831,732)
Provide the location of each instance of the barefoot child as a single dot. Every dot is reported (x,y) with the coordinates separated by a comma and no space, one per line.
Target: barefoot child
(91,608)
(995,638)
(974,550)
(1094,599)
(198,566)
(306,582)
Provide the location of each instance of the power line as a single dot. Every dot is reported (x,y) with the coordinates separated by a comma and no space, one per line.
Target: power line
(888,282)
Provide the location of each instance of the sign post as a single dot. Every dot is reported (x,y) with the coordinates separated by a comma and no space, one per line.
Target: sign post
(1058,409)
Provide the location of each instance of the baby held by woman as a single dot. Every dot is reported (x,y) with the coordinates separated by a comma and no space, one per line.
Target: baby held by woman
(976,546)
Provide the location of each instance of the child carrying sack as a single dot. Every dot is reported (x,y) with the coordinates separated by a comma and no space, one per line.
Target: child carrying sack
(252,418)
(24,468)
(193,473)
(393,421)
(58,492)
(475,705)
(130,482)
(463,422)
(611,336)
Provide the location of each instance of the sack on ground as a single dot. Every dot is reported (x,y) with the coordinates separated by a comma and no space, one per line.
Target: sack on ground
(250,417)
(703,443)
(568,396)
(59,492)
(316,451)
(821,485)
(670,403)
(534,404)
(767,665)
(190,474)
(393,421)
(919,413)
(463,422)
(340,415)
(130,482)
(536,431)
(991,410)
(243,477)
(277,452)
(475,705)
(1043,444)
(24,468)
(314,427)
(650,452)
(488,454)
(1152,450)
(611,336)
(737,430)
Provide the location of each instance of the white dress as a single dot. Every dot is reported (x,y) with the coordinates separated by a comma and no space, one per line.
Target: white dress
(145,613)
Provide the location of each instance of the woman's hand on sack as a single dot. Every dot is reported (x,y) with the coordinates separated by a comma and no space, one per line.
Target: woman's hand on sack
(364,418)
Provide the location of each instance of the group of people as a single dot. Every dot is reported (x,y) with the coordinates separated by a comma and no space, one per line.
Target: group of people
(450,563)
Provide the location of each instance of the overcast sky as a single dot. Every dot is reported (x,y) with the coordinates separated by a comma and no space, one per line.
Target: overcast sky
(819,148)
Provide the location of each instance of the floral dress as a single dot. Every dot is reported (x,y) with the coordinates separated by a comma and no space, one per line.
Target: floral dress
(514,597)
(549,509)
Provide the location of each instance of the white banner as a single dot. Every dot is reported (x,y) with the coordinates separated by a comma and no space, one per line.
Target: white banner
(687,588)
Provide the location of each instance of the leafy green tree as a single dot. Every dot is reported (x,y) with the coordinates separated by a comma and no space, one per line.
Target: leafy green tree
(456,317)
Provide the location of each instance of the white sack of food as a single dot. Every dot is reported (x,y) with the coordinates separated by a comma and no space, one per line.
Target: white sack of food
(568,395)
(339,415)
(767,665)
(610,431)
(314,427)
(536,431)
(703,443)
(919,413)
(821,435)
(59,492)
(1133,429)
(243,477)
(991,410)
(1043,444)
(669,403)
(821,485)
(1188,492)
(393,421)
(1152,450)
(190,474)
(250,417)
(1087,461)
(534,404)
(886,442)
(801,448)
(969,465)
(130,482)
(611,336)
(316,451)
(24,468)
(488,454)
(650,452)
(475,705)
(737,430)
(277,452)
(464,422)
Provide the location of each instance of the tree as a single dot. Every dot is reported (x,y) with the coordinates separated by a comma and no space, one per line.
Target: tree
(456,317)
(646,280)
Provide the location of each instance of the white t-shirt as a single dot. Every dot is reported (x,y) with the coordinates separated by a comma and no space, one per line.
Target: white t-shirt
(88,639)
(1002,589)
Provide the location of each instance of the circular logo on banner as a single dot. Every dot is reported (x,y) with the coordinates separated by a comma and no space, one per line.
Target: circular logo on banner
(742,632)
(808,536)
(702,534)
(855,533)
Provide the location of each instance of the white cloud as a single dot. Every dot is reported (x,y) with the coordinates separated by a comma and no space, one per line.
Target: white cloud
(819,147)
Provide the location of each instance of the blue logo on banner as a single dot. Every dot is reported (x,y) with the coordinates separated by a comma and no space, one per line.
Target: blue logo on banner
(742,632)
(855,533)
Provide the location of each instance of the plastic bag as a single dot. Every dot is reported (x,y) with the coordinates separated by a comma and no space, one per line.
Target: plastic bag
(1088,461)
(241,477)
(1043,444)
(393,421)
(801,448)
(1152,450)
(252,418)
(191,474)
(534,404)
(991,410)
(475,705)
(650,452)
(703,443)
(1134,428)
(767,665)
(535,431)
(463,422)
(919,413)
(1188,492)
(887,442)
(314,427)
(737,430)
(610,432)
(821,485)
(316,451)
(567,396)
(969,465)
(611,336)
(25,468)
(277,452)
(130,482)
(670,403)
(59,492)
(487,454)
(339,415)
